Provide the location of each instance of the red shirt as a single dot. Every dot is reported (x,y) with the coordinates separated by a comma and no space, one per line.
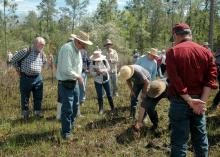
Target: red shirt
(190,67)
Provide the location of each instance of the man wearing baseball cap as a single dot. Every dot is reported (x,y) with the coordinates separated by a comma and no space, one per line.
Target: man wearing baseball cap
(191,74)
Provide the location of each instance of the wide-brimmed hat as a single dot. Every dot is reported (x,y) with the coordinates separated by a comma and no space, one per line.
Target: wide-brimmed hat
(156,88)
(82,36)
(97,56)
(153,52)
(126,72)
(108,42)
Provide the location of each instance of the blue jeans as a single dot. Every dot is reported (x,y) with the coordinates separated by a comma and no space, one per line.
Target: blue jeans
(106,86)
(113,79)
(69,98)
(134,99)
(183,121)
(82,88)
(30,84)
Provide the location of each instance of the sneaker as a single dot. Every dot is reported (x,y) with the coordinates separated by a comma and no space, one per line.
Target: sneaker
(82,104)
(38,114)
(68,138)
(25,115)
(101,112)
(116,94)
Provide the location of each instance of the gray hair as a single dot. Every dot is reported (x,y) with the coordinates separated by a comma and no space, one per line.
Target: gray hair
(38,40)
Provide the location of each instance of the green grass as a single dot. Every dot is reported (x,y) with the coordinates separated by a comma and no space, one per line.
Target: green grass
(94,135)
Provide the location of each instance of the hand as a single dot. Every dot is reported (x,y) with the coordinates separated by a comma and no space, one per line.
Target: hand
(80,80)
(137,127)
(198,106)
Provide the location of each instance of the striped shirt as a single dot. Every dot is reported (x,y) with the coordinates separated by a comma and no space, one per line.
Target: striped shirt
(31,64)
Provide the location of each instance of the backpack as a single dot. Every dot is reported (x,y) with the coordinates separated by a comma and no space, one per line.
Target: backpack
(25,56)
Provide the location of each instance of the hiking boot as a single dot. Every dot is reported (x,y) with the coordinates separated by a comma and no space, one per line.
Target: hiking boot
(25,115)
(38,114)
(132,113)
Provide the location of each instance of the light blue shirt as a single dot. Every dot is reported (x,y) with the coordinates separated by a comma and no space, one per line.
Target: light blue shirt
(149,65)
(69,64)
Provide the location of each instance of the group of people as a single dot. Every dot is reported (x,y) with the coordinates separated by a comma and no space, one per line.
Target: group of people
(191,74)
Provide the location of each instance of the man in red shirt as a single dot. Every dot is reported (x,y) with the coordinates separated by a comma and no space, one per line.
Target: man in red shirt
(192,74)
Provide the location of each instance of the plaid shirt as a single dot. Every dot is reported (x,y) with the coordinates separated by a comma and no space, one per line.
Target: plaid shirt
(32,64)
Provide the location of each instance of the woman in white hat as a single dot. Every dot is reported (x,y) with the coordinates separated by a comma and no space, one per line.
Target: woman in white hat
(100,71)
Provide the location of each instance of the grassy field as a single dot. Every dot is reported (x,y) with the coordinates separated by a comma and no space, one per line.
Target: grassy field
(94,135)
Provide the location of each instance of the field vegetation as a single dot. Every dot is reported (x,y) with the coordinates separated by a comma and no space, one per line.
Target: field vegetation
(94,134)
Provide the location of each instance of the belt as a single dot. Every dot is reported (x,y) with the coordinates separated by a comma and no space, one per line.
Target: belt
(69,81)
(29,76)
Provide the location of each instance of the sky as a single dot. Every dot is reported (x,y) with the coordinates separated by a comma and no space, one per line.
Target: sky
(27,5)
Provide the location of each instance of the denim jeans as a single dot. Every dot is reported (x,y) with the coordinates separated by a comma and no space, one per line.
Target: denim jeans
(183,122)
(134,99)
(28,85)
(150,104)
(99,87)
(69,97)
(82,88)
(113,79)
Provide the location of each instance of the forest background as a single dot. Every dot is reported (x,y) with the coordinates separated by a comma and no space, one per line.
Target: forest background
(140,24)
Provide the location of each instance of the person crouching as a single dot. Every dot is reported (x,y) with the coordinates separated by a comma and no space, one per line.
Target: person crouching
(99,69)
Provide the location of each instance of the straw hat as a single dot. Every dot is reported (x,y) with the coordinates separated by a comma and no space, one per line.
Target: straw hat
(156,88)
(126,72)
(82,36)
(153,52)
(97,56)
(108,42)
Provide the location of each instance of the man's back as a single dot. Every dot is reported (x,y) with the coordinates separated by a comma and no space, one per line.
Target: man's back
(193,66)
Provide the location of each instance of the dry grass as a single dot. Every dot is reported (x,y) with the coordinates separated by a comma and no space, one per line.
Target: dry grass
(95,135)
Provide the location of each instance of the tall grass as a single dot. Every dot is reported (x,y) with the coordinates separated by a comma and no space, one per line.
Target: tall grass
(94,135)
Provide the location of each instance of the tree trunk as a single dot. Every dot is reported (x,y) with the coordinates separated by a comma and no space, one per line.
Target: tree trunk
(5,28)
(211,22)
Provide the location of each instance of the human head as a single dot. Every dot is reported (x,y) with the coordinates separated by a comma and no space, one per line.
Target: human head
(81,39)
(126,72)
(163,51)
(152,54)
(156,88)
(39,43)
(97,56)
(181,31)
(108,43)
